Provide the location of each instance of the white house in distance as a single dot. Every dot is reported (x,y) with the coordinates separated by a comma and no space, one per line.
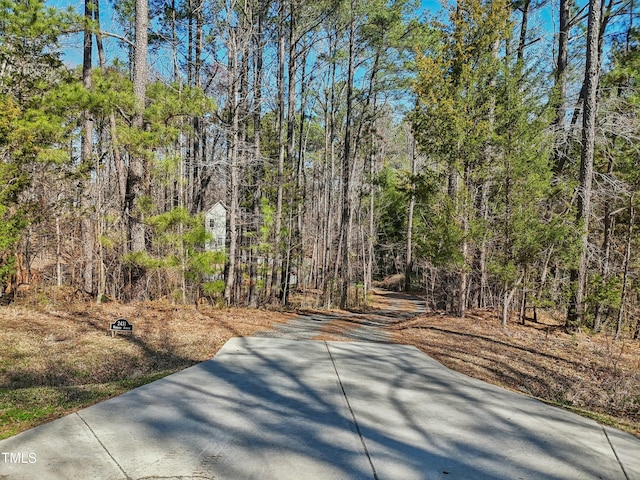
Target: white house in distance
(216,224)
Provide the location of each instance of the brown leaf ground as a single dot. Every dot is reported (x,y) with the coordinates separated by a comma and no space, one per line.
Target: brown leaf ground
(56,354)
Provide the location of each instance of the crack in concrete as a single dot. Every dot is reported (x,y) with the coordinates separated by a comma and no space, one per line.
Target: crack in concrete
(353,414)
(104,447)
(615,453)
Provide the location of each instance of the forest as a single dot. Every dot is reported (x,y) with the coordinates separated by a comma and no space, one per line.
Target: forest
(483,152)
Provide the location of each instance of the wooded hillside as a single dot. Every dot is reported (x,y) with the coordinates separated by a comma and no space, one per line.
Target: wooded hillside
(485,153)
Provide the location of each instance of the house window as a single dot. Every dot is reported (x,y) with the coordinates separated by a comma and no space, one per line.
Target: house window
(212,223)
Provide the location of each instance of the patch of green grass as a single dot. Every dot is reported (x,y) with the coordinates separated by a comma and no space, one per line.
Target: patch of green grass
(24,408)
(601,418)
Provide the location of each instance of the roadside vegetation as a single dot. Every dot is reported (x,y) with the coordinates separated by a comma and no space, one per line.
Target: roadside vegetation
(58,355)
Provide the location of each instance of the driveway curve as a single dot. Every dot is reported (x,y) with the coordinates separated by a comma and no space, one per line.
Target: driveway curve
(371,326)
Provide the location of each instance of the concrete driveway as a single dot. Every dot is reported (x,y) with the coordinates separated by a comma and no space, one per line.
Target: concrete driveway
(271,408)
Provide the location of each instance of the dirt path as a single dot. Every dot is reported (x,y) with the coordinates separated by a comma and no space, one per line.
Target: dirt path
(371,326)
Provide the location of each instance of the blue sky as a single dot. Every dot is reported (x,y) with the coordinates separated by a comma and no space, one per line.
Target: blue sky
(541,20)
(72,45)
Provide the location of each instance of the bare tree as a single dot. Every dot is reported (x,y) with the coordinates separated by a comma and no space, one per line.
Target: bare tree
(277,259)
(232,159)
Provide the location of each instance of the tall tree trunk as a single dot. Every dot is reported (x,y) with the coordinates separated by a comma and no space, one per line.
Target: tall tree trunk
(232,157)
(346,171)
(175,42)
(135,187)
(292,68)
(88,236)
(575,315)
(190,43)
(328,180)
(366,123)
(199,181)
(277,260)
(199,42)
(560,93)
(121,169)
(258,170)
(117,160)
(301,177)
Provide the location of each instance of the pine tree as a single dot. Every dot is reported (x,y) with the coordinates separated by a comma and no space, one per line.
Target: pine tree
(29,134)
(479,119)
